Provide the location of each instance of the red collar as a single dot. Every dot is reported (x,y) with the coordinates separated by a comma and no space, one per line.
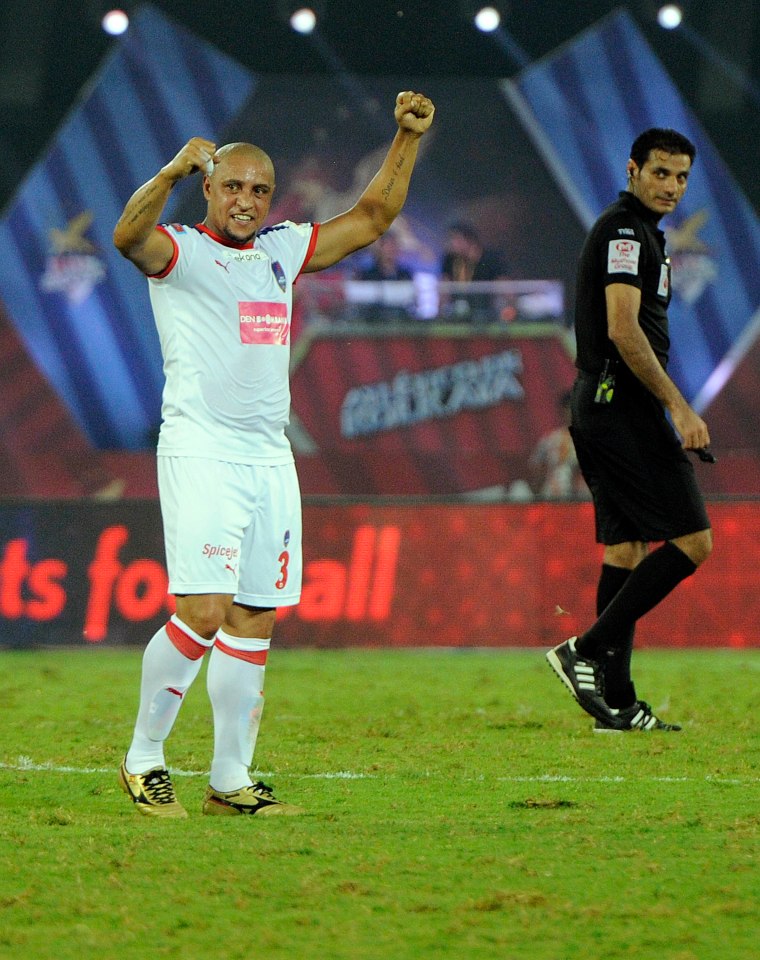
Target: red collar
(202,228)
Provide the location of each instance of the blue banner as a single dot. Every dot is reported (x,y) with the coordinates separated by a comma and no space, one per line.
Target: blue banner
(583,106)
(82,311)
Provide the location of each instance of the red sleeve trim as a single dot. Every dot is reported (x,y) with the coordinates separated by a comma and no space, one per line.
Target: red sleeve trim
(175,256)
(311,248)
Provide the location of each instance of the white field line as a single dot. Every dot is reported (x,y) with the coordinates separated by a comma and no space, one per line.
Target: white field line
(23,764)
(26,764)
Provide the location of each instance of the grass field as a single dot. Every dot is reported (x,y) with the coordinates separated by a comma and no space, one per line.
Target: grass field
(459,806)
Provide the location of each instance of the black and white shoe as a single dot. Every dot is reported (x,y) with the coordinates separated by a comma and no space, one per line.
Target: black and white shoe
(637,717)
(582,677)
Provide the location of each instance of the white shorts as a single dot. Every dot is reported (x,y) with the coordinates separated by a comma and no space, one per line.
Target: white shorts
(232,528)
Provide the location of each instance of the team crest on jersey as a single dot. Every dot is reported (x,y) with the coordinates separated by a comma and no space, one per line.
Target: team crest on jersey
(664,285)
(279,275)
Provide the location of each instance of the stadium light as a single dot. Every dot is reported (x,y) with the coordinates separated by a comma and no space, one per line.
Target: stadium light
(491,20)
(670,16)
(487,19)
(303,20)
(115,22)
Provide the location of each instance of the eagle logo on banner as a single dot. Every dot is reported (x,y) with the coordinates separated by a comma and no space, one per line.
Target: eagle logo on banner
(73,266)
(693,267)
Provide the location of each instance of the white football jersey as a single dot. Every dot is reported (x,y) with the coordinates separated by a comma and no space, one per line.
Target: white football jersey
(223,313)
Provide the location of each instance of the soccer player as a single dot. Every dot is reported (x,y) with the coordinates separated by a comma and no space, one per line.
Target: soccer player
(641,479)
(221,293)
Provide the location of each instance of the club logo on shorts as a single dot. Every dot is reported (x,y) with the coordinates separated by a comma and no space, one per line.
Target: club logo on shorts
(286,538)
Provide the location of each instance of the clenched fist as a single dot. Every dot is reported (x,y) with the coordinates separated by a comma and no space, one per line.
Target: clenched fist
(414,111)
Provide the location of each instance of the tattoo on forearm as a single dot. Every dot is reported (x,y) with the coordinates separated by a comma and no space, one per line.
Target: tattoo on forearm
(146,202)
(396,170)
(137,215)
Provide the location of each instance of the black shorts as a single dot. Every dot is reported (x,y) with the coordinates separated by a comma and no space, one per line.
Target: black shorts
(642,482)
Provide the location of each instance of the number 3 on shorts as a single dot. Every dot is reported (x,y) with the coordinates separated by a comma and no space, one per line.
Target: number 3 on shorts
(283,560)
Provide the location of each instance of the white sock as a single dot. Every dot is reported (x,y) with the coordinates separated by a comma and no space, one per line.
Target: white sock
(235,680)
(171,662)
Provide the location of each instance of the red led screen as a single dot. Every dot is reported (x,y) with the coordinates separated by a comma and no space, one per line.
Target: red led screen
(392,574)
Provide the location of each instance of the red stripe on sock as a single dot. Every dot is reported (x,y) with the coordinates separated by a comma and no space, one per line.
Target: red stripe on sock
(185,644)
(250,656)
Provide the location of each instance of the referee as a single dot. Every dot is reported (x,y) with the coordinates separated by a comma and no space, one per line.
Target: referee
(633,460)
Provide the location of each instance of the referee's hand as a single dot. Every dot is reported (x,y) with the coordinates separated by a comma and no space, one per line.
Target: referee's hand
(691,428)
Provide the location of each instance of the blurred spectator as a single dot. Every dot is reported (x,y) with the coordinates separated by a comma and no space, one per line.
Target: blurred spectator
(555,474)
(385,266)
(466,259)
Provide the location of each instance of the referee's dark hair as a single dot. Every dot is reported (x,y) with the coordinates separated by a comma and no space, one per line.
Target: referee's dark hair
(661,138)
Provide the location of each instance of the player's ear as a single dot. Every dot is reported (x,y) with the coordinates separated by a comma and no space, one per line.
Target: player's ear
(630,168)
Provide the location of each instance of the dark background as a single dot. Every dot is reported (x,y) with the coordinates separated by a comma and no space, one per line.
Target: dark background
(49,49)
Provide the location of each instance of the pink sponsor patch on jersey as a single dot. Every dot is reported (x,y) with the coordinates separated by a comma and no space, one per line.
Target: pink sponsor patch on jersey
(264,322)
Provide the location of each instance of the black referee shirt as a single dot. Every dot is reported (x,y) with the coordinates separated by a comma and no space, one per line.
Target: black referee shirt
(625,245)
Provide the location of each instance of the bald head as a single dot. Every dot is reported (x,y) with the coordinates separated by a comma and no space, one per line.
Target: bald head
(245,152)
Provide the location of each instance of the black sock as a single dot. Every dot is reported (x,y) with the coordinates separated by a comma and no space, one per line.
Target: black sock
(619,690)
(611,582)
(648,584)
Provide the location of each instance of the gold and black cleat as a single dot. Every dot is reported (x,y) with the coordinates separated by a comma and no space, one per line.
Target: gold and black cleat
(256,799)
(152,792)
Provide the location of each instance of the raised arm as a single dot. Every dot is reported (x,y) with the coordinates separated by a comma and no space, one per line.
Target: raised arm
(135,235)
(384,198)
(623,302)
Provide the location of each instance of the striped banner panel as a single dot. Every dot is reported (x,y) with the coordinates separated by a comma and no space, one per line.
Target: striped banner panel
(583,107)
(82,311)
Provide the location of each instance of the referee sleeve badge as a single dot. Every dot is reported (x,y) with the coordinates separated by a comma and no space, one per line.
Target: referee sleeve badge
(623,256)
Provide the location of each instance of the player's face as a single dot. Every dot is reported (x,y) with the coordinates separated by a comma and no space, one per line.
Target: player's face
(239,194)
(661,182)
